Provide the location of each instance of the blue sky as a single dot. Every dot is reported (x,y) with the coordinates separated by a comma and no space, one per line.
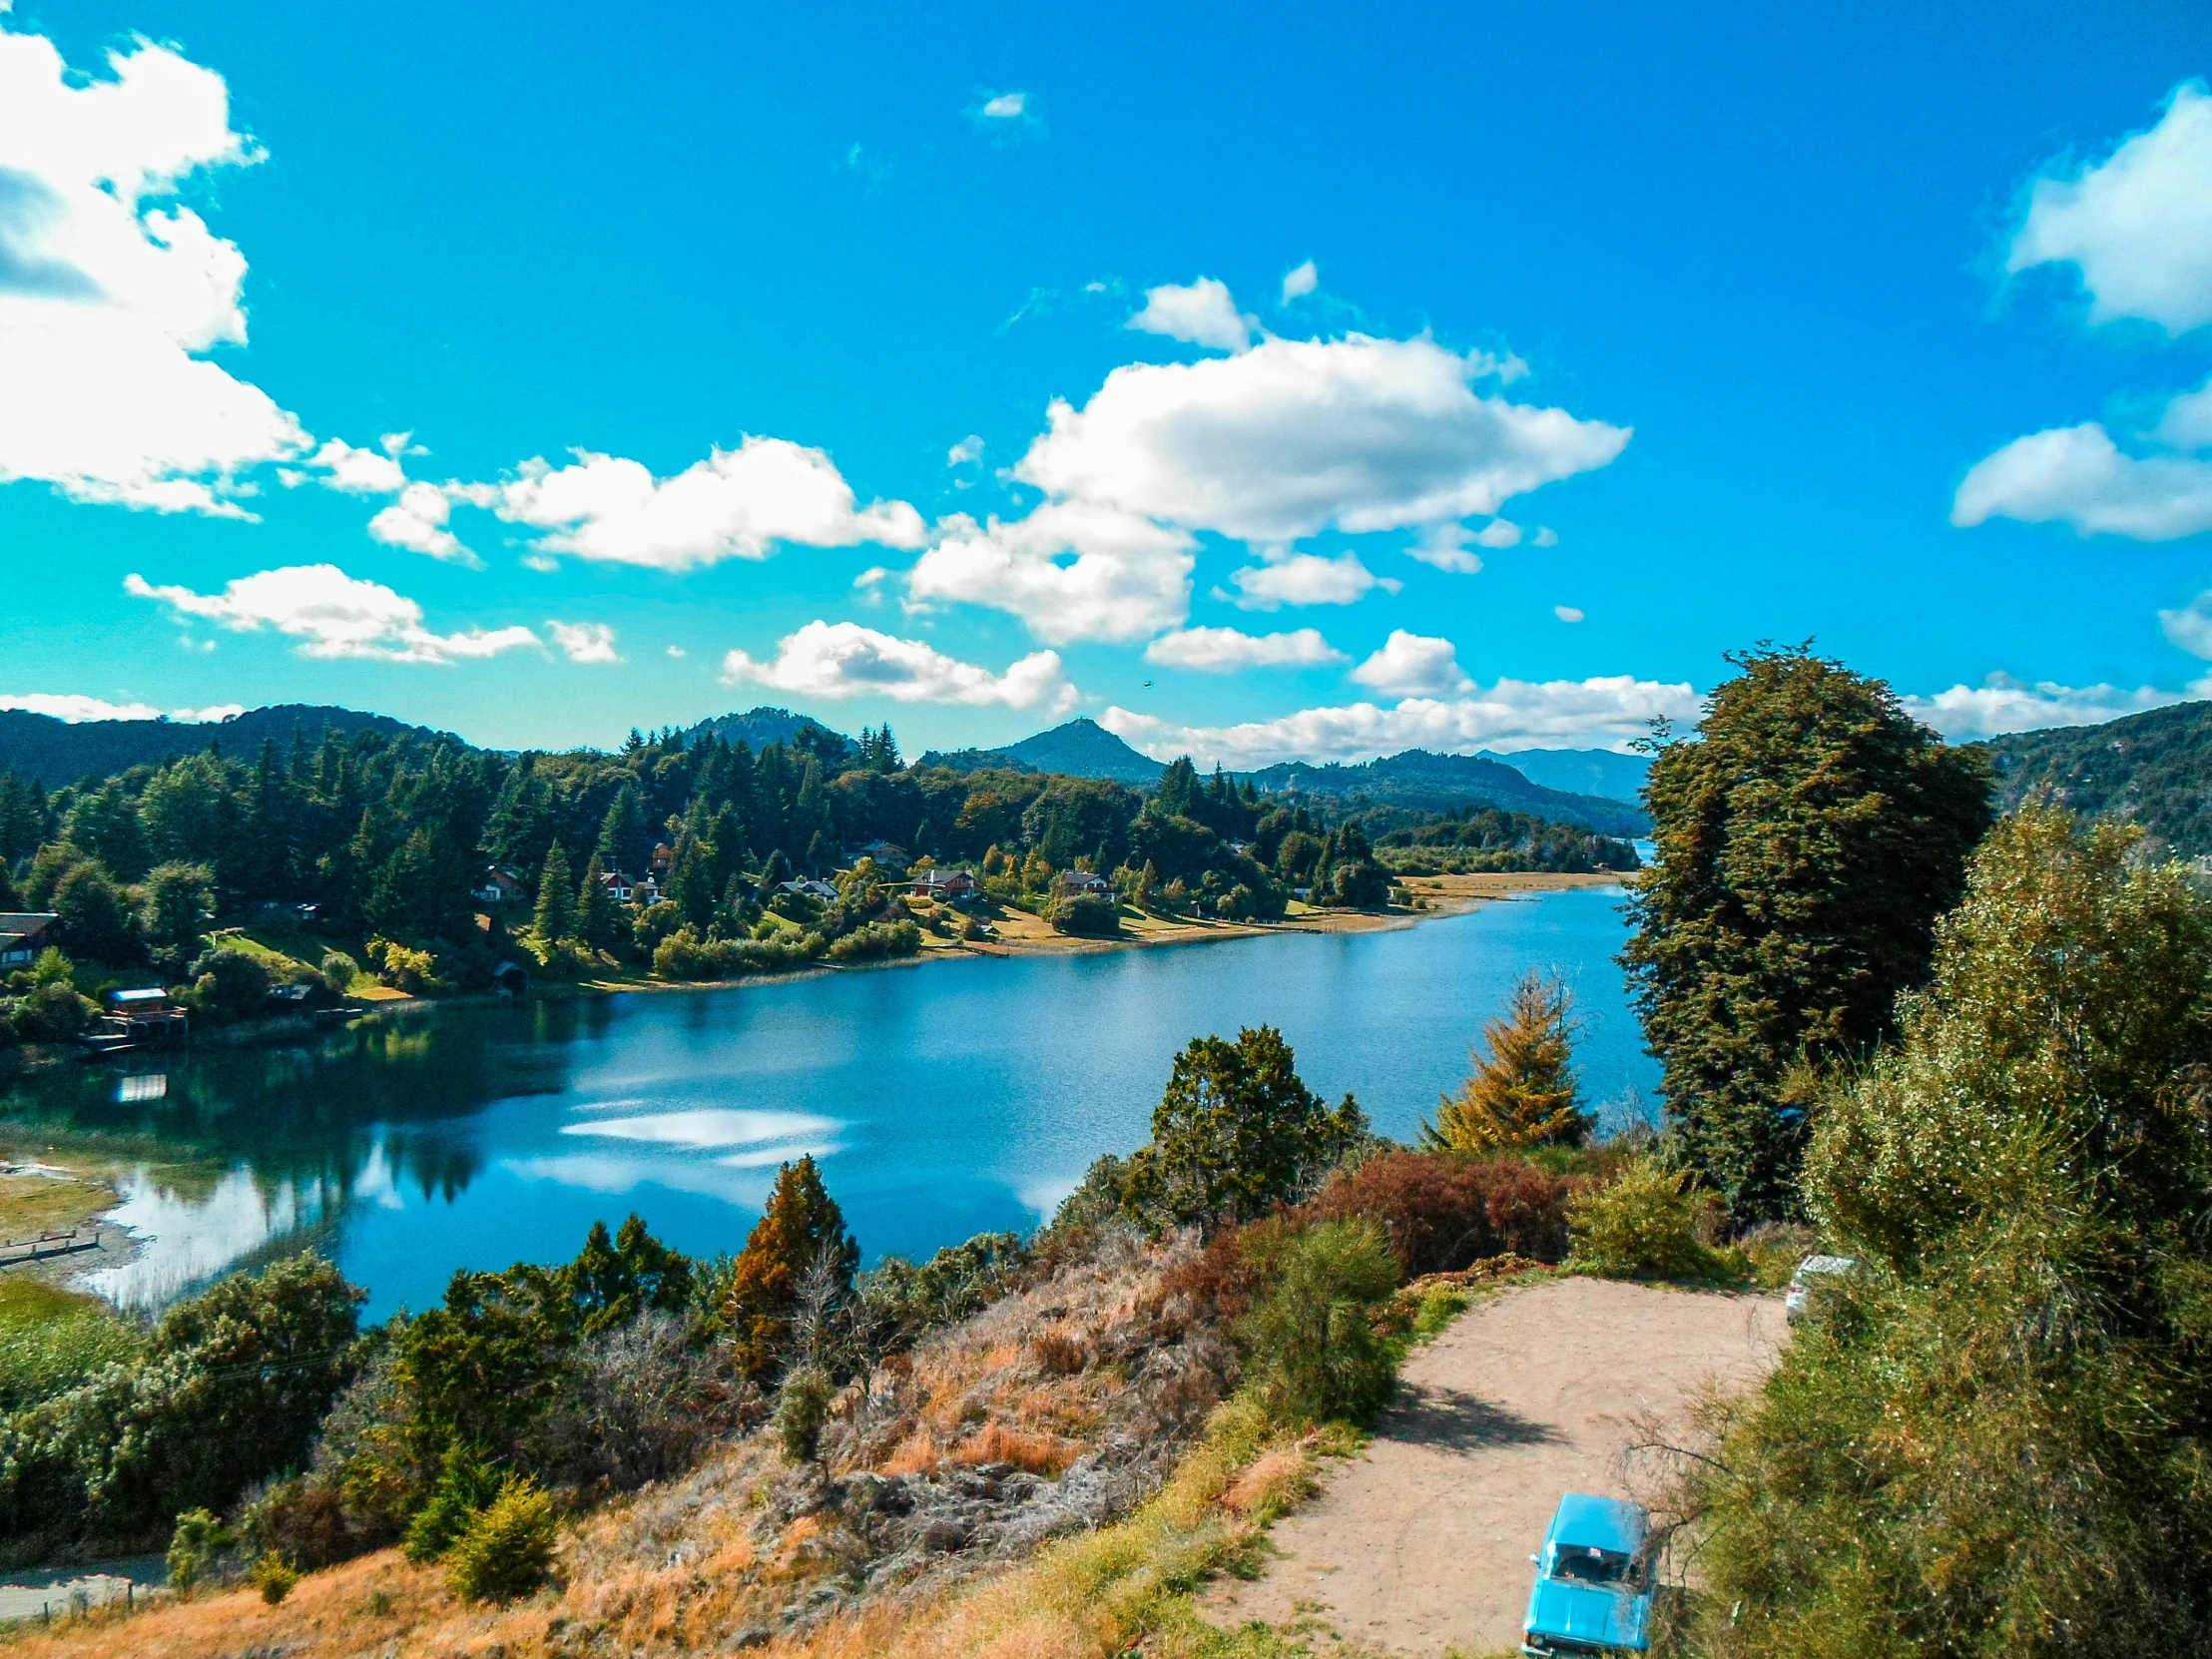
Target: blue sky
(1630,336)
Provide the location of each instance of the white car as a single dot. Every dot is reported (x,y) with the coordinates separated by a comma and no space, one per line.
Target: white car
(1811,1272)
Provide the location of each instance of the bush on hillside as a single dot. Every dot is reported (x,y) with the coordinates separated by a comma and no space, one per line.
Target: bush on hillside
(1646,1223)
(1442,1212)
(802,1408)
(1310,1341)
(274,1576)
(226,986)
(507,1550)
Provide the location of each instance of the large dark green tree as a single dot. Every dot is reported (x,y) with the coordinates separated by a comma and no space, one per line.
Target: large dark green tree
(1237,1132)
(1807,843)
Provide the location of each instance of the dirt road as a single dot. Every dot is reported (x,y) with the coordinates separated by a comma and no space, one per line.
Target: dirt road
(1422,1544)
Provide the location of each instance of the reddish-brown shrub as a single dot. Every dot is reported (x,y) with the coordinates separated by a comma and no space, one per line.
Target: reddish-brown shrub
(1059,1355)
(1443,1210)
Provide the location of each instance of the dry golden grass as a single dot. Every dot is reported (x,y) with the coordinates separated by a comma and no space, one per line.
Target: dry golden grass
(680,1569)
(34,1203)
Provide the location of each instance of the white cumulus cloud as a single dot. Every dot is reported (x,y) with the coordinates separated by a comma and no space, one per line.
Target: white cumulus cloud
(1511,715)
(2078,476)
(1299,281)
(843,660)
(1005,116)
(1226,650)
(2190,627)
(2137,225)
(585,642)
(361,471)
(1413,665)
(1201,313)
(1127,578)
(1293,438)
(1567,613)
(107,301)
(417,522)
(736,504)
(1308,579)
(2002,703)
(334,615)
(75,709)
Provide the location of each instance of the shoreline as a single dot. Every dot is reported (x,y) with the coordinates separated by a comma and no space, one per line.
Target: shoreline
(1440,896)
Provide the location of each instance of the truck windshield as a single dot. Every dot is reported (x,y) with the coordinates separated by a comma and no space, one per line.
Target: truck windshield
(1588,1565)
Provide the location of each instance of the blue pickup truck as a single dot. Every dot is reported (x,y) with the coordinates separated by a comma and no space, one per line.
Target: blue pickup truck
(1593,1580)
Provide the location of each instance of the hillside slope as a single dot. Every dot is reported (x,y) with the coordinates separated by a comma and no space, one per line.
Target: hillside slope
(56,752)
(2153,767)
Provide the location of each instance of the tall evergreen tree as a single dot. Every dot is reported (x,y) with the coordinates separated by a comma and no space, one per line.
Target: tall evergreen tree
(625,842)
(1522,1091)
(555,919)
(596,923)
(801,1231)
(1807,845)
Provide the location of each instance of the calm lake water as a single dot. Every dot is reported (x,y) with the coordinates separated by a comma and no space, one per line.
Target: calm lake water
(942,1100)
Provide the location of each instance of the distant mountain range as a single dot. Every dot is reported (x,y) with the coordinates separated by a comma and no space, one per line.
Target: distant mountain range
(1597,771)
(55,751)
(2154,767)
(1418,778)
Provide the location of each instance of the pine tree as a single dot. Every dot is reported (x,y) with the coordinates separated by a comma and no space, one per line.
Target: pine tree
(624,844)
(801,1229)
(596,923)
(1148,887)
(556,914)
(1522,1093)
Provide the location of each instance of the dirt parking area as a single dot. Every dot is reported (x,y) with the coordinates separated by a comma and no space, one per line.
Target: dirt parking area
(1421,1547)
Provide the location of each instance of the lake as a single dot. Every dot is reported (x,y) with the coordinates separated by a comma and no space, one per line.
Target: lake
(941,1099)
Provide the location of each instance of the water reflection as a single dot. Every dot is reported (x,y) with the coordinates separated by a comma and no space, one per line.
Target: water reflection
(942,1100)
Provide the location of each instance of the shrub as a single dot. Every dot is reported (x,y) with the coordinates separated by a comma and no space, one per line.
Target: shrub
(1090,915)
(227,1389)
(303,1522)
(195,1547)
(340,971)
(1994,1443)
(51,1340)
(1643,1224)
(683,954)
(1442,1212)
(228,986)
(876,940)
(465,1487)
(507,1550)
(274,1576)
(802,1408)
(643,1402)
(898,1300)
(412,971)
(1312,1346)
(53,1013)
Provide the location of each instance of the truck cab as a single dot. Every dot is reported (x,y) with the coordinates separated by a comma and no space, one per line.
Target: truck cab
(1593,1586)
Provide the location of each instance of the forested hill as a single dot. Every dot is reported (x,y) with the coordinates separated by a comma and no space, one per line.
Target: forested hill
(55,751)
(1440,783)
(2154,767)
(1079,748)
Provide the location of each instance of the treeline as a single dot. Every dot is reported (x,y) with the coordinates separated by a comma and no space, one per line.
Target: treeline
(389,844)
